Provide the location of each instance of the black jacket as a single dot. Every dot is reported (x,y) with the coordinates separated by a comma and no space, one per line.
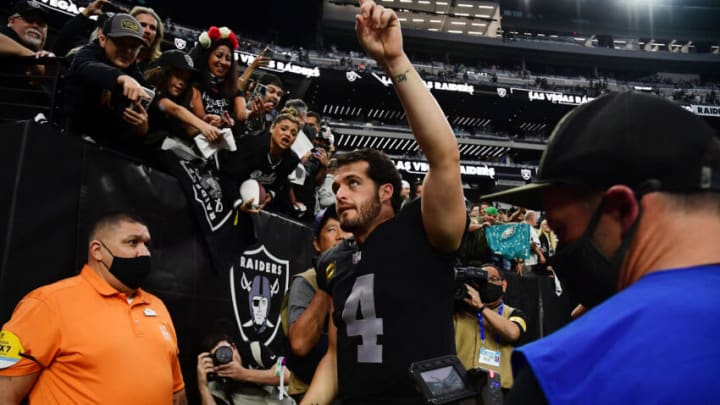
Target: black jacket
(94,102)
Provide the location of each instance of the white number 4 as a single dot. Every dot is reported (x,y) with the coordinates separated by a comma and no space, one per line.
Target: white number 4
(369,327)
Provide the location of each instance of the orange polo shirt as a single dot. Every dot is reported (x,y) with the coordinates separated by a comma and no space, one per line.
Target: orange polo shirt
(92,346)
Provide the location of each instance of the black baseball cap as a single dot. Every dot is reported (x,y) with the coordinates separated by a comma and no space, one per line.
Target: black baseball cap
(25,7)
(177,59)
(625,138)
(321,219)
(122,25)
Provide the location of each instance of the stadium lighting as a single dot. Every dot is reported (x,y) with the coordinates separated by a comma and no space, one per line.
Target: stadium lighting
(474,33)
(458,23)
(435,21)
(487,7)
(482,16)
(465,5)
(432,29)
(442,3)
(462,14)
(455,32)
(423,2)
(418,20)
(405,1)
(479,24)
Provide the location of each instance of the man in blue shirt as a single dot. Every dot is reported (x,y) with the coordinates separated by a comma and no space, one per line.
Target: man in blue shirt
(630,184)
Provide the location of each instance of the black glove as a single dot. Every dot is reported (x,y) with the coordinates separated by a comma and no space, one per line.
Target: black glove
(322,273)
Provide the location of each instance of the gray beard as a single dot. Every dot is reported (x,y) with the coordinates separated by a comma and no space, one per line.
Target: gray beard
(32,41)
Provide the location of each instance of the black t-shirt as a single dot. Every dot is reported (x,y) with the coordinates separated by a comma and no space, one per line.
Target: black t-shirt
(216,103)
(252,161)
(393,303)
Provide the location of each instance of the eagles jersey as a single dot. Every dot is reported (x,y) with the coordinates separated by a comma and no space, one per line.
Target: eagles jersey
(393,305)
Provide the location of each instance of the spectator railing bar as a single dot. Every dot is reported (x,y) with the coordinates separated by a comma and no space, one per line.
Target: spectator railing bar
(23,95)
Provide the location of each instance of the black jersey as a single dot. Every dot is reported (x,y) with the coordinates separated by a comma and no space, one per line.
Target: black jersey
(393,305)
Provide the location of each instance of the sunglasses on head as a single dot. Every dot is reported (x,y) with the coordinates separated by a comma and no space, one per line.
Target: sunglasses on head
(34,19)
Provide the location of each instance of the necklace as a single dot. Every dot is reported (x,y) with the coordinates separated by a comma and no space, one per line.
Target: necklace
(273,165)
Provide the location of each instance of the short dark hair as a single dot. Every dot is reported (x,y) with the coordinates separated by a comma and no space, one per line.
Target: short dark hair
(269,78)
(494,266)
(219,331)
(380,169)
(113,219)
(313,114)
(214,338)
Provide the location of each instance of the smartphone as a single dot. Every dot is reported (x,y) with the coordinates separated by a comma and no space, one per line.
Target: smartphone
(145,101)
(260,90)
(110,7)
(267,52)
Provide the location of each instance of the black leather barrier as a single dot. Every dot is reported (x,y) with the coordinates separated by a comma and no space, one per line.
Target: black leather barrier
(535,295)
(54,185)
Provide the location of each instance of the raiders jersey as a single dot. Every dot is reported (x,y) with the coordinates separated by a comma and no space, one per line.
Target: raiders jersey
(393,305)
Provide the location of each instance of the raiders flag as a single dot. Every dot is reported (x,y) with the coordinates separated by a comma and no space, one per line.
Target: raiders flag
(226,231)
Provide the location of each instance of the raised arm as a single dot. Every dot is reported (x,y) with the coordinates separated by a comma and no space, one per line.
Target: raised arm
(443,207)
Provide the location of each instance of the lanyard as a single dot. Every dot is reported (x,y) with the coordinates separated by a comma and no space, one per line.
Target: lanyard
(482,327)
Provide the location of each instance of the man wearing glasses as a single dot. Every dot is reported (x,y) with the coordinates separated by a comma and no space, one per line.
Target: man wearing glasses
(486,329)
(26,30)
(104,97)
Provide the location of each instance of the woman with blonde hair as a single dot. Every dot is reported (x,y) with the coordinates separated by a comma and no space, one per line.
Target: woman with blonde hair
(153,32)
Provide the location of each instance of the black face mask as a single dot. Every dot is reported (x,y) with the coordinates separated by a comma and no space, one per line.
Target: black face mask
(216,81)
(490,292)
(588,275)
(130,271)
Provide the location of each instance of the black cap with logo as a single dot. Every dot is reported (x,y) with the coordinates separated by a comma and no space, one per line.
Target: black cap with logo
(26,7)
(123,26)
(626,138)
(177,59)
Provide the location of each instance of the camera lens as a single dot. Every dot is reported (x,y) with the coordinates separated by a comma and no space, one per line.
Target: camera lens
(223,355)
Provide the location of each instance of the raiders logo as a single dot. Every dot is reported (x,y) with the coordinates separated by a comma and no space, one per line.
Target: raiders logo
(207,194)
(258,284)
(526,174)
(501,91)
(351,76)
(180,43)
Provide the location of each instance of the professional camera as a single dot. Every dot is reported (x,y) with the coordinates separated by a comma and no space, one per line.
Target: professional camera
(475,276)
(222,355)
(444,380)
